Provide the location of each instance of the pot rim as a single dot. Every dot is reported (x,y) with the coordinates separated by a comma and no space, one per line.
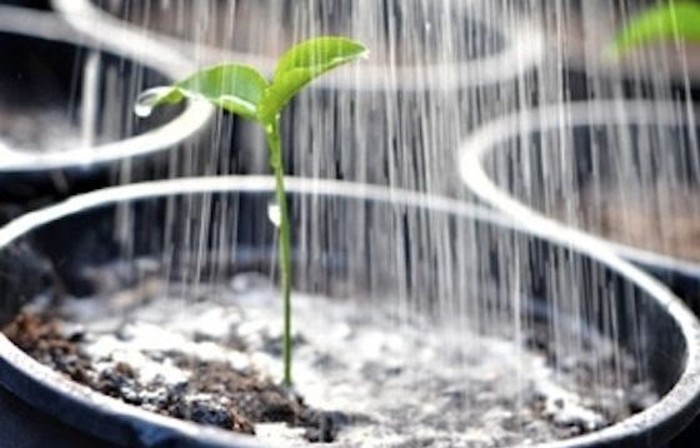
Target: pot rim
(683,399)
(49,26)
(523,48)
(477,147)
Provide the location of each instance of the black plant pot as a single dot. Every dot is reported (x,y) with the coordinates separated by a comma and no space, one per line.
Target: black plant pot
(66,106)
(558,165)
(352,241)
(606,166)
(483,52)
(432,70)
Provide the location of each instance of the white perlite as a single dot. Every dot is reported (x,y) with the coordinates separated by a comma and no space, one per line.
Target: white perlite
(400,384)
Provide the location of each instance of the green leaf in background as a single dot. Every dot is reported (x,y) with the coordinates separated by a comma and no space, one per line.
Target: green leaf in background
(676,20)
(302,64)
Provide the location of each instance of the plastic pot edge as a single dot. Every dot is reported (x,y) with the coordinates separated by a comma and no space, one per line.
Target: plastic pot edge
(524,48)
(48,26)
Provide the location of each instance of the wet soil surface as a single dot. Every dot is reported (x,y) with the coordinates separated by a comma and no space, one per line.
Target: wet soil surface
(366,378)
(215,394)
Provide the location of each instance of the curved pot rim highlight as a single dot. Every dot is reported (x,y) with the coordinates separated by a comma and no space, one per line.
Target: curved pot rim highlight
(477,147)
(682,400)
(49,26)
(523,49)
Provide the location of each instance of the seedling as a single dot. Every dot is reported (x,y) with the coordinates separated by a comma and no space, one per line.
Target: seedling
(244,91)
(675,20)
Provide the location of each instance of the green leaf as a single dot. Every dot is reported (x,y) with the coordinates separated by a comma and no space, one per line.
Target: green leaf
(677,20)
(236,88)
(302,64)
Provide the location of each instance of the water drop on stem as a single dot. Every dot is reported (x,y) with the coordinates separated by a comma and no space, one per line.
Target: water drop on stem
(274,214)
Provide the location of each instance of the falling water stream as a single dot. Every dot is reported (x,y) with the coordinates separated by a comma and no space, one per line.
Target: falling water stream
(439,72)
(610,146)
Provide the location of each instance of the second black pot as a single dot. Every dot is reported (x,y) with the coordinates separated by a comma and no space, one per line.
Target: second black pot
(67,112)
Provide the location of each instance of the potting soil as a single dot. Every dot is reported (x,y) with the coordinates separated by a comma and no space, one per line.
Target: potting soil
(366,378)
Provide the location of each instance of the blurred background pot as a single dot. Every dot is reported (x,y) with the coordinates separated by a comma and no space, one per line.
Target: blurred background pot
(67,111)
(627,171)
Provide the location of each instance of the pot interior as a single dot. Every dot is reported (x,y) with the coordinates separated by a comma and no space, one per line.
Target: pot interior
(59,96)
(629,176)
(57,99)
(417,261)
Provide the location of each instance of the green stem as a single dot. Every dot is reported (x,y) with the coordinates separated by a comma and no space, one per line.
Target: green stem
(285,244)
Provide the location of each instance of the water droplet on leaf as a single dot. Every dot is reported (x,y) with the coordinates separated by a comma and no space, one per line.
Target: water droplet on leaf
(149,99)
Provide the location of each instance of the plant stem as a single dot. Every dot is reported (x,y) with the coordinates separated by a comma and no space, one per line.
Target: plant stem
(285,244)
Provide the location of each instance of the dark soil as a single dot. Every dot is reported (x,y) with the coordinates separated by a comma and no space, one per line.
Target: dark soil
(216,394)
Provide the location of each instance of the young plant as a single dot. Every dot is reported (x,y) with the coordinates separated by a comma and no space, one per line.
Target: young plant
(671,21)
(244,91)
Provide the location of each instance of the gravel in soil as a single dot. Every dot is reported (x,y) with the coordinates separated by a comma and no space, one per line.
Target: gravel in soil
(215,394)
